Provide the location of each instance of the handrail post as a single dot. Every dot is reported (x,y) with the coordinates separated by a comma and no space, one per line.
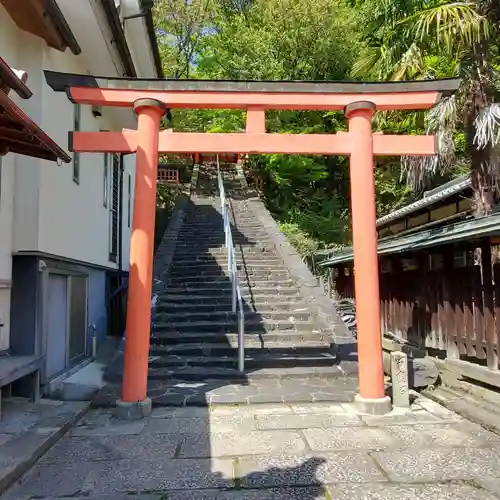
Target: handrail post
(232,268)
(235,291)
(241,341)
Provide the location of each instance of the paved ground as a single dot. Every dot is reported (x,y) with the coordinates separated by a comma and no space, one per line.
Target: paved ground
(306,452)
(28,430)
(268,390)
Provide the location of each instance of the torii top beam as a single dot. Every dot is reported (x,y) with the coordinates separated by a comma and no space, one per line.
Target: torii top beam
(223,94)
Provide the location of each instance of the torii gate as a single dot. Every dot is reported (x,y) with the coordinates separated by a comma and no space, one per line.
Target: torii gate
(149,100)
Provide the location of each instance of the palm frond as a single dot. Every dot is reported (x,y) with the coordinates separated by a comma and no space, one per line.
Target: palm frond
(367,61)
(444,115)
(451,24)
(410,64)
(487,126)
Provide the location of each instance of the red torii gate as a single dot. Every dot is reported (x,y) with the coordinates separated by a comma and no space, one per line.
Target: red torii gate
(149,100)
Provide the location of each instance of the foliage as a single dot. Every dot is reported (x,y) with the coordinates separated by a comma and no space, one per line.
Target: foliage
(304,244)
(340,40)
(440,38)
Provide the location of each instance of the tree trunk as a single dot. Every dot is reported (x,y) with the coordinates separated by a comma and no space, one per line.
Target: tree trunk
(482,181)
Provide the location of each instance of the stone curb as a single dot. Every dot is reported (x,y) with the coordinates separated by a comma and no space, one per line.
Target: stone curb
(469,408)
(9,476)
(310,291)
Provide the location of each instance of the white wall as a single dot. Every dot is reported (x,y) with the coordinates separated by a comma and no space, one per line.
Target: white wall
(41,207)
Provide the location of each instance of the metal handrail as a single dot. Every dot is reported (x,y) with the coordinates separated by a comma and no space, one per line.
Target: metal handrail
(237,301)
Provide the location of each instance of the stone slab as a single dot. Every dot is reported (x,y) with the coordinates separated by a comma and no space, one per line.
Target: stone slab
(308,493)
(82,385)
(109,477)
(38,426)
(99,423)
(200,425)
(382,491)
(175,393)
(240,444)
(316,408)
(306,470)
(491,485)
(401,417)
(306,421)
(450,491)
(113,447)
(441,464)
(349,438)
(442,435)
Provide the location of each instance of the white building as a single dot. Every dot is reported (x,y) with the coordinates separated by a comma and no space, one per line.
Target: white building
(65,230)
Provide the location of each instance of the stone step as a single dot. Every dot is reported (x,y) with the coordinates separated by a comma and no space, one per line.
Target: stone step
(232,374)
(253,346)
(206,261)
(252,361)
(226,290)
(250,316)
(221,269)
(270,338)
(222,280)
(270,298)
(242,248)
(209,305)
(228,325)
(215,232)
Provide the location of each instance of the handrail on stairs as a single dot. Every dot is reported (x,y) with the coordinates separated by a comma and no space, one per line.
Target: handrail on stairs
(237,301)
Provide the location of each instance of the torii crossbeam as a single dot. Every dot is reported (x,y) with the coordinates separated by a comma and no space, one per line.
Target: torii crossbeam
(151,98)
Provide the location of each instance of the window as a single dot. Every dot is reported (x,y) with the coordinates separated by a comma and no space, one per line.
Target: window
(0,180)
(129,200)
(113,209)
(77,116)
(105,185)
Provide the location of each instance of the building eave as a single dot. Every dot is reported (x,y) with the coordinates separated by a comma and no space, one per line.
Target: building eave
(153,40)
(20,134)
(468,230)
(435,196)
(59,21)
(119,37)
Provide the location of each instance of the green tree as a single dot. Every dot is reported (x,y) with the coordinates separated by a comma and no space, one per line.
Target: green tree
(440,38)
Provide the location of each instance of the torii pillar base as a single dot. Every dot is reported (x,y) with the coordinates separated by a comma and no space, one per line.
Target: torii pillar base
(136,410)
(368,406)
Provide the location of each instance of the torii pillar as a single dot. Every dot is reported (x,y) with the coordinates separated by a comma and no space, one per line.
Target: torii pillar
(134,403)
(371,397)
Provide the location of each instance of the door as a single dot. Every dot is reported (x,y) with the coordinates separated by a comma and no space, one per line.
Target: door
(78,318)
(57,324)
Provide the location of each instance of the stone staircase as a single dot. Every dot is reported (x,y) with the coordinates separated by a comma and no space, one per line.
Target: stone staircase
(194,335)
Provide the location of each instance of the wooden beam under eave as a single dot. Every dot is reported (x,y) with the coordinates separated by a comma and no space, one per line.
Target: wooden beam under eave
(30,16)
(249,143)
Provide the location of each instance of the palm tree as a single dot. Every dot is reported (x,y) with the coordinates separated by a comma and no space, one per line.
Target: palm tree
(425,39)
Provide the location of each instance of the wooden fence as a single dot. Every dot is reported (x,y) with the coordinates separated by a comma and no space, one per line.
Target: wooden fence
(446,299)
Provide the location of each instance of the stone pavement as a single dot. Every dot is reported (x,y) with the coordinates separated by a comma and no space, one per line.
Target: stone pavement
(263,452)
(28,430)
(306,389)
